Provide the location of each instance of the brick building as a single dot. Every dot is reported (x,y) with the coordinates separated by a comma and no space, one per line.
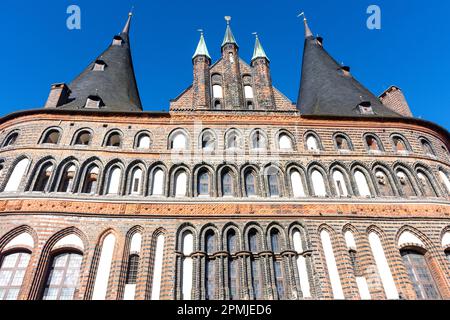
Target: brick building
(236,193)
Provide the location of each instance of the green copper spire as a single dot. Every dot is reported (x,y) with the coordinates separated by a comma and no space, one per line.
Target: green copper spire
(259,50)
(229,37)
(202,49)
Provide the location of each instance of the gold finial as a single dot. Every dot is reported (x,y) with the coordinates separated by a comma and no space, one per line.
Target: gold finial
(228,19)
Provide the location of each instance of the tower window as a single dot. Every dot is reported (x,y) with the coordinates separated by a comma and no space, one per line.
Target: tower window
(117,41)
(227,184)
(427,148)
(12,272)
(248,92)
(372,143)
(83,138)
(217,91)
(93,102)
(312,143)
(342,143)
(114,140)
(133,266)
(99,65)
(52,137)
(203,184)
(11,139)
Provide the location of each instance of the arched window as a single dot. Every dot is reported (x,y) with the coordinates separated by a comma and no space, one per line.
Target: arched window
(12,271)
(250,184)
(217,105)
(361,281)
(339,183)
(115,175)
(158,267)
(298,190)
(104,268)
(383,267)
(373,143)
(279,279)
(203,183)
(43,178)
(208,141)
(181,184)
(427,186)
(217,91)
(384,184)
(136,181)
(427,148)
(179,141)
(67,179)
(285,142)
(11,139)
(91,181)
(445,181)
(227,184)
(342,143)
(248,92)
(330,259)
(255,265)
(16,177)
(133,267)
(275,240)
(273,181)
(399,144)
(210,242)
(187,272)
(301,264)
(158,182)
(143,141)
(62,277)
(114,140)
(405,184)
(420,275)
(447,253)
(362,184)
(83,138)
(312,144)
(52,136)
(258,140)
(233,279)
(318,184)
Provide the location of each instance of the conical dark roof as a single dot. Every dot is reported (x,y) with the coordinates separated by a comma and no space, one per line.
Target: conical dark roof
(327,88)
(115,86)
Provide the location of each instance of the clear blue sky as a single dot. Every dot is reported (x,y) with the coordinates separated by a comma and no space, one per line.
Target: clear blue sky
(412,50)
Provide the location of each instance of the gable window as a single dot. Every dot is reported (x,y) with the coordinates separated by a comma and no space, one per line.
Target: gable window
(83,138)
(52,137)
(12,272)
(62,279)
(217,91)
(248,92)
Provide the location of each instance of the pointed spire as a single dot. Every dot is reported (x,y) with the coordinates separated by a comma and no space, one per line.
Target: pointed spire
(308,33)
(126,29)
(229,37)
(259,50)
(202,49)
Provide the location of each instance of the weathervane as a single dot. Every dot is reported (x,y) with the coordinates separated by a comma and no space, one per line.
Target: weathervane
(255,34)
(131,11)
(302,14)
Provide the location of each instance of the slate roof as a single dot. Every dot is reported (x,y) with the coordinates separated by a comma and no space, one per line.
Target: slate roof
(116,86)
(327,89)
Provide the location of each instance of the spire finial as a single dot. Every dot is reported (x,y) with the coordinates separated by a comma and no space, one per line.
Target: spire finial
(259,50)
(202,49)
(126,29)
(308,33)
(229,37)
